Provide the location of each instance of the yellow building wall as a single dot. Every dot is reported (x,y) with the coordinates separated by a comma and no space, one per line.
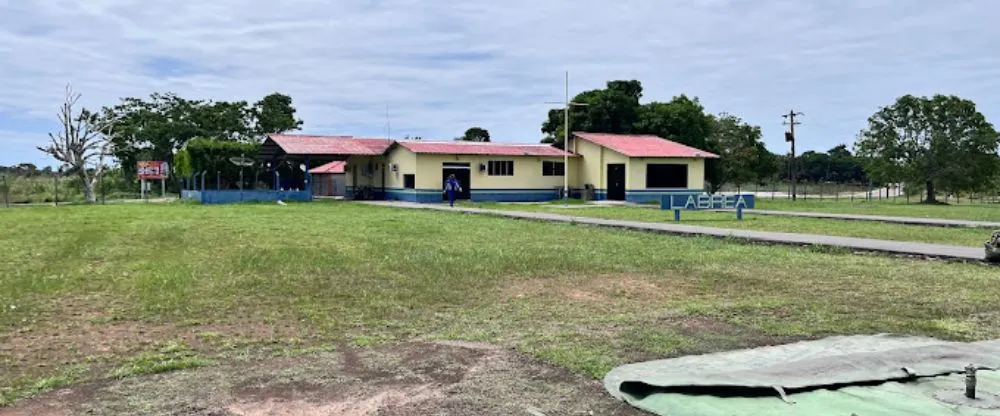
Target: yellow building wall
(357,165)
(427,169)
(527,172)
(636,178)
(593,166)
(406,164)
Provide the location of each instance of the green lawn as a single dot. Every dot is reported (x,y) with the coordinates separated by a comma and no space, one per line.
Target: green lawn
(120,290)
(894,207)
(864,229)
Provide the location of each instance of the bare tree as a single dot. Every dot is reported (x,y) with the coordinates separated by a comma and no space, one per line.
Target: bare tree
(81,141)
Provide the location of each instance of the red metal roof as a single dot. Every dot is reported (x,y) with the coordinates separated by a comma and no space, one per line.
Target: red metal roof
(634,145)
(300,144)
(479,148)
(332,167)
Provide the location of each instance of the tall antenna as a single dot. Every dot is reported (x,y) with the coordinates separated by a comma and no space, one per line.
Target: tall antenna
(567,104)
(388,124)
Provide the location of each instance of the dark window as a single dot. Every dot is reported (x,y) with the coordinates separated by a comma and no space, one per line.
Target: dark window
(409,181)
(500,168)
(666,176)
(550,168)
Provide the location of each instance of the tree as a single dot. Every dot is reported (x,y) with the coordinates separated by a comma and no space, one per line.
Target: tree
(737,144)
(81,141)
(475,134)
(936,142)
(155,128)
(616,109)
(610,110)
(766,167)
(275,114)
(682,119)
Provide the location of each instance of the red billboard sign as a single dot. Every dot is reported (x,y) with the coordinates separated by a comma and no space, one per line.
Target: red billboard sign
(152,169)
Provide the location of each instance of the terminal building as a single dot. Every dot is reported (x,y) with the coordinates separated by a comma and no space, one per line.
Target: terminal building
(634,168)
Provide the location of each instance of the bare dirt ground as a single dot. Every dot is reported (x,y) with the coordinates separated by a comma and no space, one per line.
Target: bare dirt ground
(428,378)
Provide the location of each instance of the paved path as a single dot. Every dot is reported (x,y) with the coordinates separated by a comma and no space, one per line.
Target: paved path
(936,222)
(860,244)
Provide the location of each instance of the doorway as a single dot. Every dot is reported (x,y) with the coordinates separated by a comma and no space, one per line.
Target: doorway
(616,182)
(463,173)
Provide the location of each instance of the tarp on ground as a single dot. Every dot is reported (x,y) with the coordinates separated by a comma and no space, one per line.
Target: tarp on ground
(864,375)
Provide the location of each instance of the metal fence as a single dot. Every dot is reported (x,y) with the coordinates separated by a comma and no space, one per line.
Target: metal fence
(818,191)
(859,192)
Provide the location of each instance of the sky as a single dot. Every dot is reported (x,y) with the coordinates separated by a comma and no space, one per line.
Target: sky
(442,67)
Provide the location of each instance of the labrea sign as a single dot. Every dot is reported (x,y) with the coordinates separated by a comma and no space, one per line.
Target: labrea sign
(705,201)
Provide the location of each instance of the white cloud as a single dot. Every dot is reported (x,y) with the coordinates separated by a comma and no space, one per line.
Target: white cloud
(444,67)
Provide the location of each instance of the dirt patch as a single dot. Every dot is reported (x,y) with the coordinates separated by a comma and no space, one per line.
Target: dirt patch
(693,325)
(609,288)
(404,379)
(84,333)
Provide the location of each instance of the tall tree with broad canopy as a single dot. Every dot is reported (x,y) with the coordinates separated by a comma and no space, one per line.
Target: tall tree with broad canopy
(738,145)
(616,109)
(275,114)
(475,134)
(157,127)
(610,110)
(939,142)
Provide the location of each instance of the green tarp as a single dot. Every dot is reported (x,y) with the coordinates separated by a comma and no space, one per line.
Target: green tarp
(862,375)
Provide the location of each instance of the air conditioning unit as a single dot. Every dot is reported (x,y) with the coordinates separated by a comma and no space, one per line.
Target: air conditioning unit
(394,167)
(482,167)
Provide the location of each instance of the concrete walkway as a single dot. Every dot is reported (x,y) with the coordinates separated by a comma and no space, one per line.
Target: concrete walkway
(935,222)
(859,244)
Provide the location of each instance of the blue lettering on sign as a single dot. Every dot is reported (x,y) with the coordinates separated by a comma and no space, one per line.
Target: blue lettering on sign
(697,202)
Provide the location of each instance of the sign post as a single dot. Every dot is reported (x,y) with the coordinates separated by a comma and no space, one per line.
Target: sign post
(152,170)
(698,202)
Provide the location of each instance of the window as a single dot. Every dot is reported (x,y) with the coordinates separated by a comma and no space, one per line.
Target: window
(550,168)
(409,181)
(500,168)
(666,176)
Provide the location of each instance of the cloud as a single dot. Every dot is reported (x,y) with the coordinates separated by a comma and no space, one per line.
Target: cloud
(443,67)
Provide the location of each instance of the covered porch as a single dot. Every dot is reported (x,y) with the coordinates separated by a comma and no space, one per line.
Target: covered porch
(290,158)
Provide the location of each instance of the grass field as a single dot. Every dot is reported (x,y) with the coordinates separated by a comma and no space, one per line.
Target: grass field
(864,229)
(94,292)
(893,207)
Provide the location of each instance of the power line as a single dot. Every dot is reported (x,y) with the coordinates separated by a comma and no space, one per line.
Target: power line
(790,137)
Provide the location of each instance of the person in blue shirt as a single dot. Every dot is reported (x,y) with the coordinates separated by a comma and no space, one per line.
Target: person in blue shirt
(451,186)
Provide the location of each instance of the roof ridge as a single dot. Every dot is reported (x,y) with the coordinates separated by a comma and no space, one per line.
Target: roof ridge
(470,143)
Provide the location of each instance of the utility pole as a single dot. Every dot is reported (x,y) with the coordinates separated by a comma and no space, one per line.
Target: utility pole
(790,137)
(566,105)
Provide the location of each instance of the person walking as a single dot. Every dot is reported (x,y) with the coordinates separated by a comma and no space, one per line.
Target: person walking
(451,187)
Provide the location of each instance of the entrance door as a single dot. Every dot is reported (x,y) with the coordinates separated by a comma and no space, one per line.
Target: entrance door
(463,174)
(616,182)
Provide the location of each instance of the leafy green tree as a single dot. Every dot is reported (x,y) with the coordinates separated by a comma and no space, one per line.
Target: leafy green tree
(275,114)
(156,127)
(475,134)
(610,110)
(738,145)
(682,119)
(767,167)
(938,142)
